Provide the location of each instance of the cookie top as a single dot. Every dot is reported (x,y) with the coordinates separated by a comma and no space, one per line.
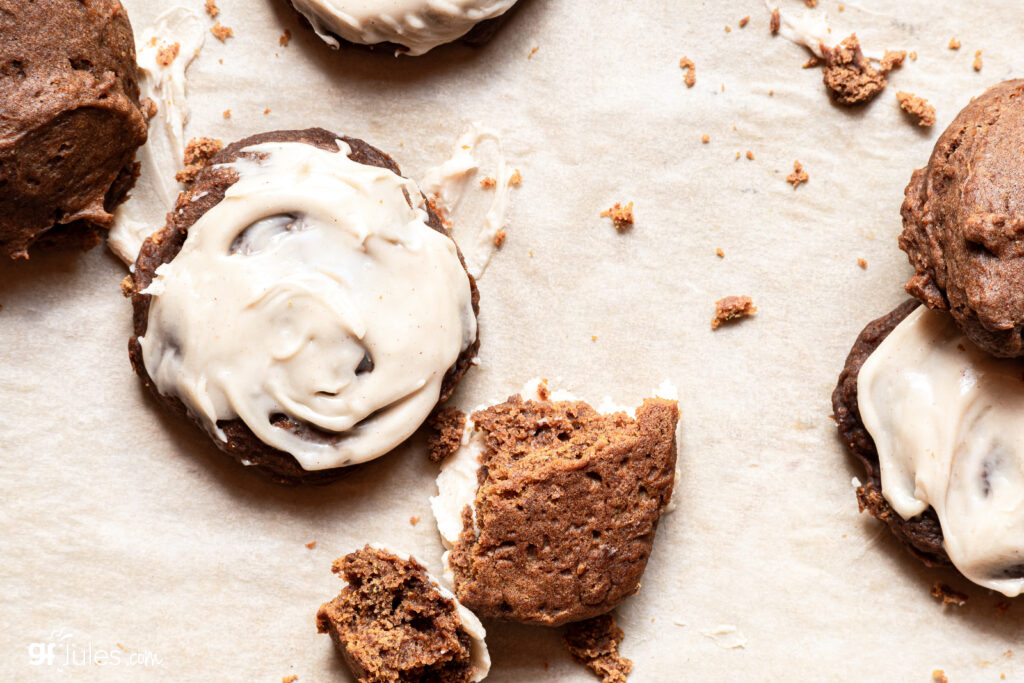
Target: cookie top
(394,622)
(415,26)
(565,509)
(70,118)
(962,219)
(281,295)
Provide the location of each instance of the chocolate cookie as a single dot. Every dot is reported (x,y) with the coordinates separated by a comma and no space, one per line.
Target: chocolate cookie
(414,27)
(393,622)
(566,508)
(70,120)
(963,218)
(207,191)
(922,535)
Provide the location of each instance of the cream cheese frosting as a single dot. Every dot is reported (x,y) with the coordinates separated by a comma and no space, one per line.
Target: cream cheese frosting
(315,290)
(946,420)
(417,25)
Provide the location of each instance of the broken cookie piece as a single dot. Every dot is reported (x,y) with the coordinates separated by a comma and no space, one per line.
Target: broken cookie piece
(550,507)
(732,308)
(798,176)
(621,215)
(917,107)
(850,76)
(445,436)
(393,622)
(198,153)
(595,644)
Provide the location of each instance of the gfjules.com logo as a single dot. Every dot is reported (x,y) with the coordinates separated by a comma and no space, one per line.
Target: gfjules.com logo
(61,650)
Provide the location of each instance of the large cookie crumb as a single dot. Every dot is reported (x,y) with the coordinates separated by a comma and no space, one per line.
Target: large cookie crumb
(917,107)
(849,75)
(595,644)
(198,153)
(446,427)
(798,176)
(732,308)
(687,65)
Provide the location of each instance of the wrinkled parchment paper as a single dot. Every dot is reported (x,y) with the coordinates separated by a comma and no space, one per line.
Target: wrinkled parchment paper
(126,532)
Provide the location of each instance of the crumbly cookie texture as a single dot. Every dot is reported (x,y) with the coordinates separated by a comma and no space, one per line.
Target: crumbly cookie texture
(595,644)
(566,508)
(445,435)
(917,107)
(850,76)
(392,624)
(962,219)
(732,308)
(198,154)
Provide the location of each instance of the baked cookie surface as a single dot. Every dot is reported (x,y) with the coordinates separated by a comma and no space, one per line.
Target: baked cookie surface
(318,417)
(70,120)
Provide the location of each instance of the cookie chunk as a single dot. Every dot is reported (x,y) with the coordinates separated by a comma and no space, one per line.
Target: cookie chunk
(594,643)
(393,623)
(963,218)
(566,505)
(849,75)
(274,386)
(70,120)
(922,535)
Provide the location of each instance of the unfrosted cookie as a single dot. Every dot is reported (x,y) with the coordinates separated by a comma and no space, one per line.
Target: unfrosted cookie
(70,120)
(274,308)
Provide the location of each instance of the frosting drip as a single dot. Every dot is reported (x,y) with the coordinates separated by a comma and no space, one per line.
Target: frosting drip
(314,292)
(945,418)
(417,25)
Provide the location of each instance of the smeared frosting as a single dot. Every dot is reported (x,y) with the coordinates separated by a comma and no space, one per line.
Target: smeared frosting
(946,420)
(162,155)
(317,292)
(417,25)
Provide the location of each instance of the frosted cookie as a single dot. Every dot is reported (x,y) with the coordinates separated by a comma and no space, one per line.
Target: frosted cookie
(303,305)
(70,120)
(550,507)
(934,420)
(962,222)
(394,622)
(411,27)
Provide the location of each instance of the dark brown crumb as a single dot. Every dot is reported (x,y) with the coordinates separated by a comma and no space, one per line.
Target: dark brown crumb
(977,60)
(285,38)
(198,153)
(798,176)
(499,238)
(954,44)
(221,33)
(687,65)
(862,263)
(311,545)
(212,9)
(732,308)
(849,75)
(917,107)
(622,216)
(445,436)
(167,54)
(1003,607)
(776,23)
(488,182)
(595,644)
(947,595)
(744,21)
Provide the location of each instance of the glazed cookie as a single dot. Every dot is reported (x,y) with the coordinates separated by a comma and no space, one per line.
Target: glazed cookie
(394,622)
(933,418)
(962,222)
(303,305)
(70,120)
(550,507)
(410,27)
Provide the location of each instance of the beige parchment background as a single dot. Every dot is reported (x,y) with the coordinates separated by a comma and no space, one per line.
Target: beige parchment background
(122,526)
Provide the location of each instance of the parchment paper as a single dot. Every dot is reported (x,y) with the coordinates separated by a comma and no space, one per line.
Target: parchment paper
(123,528)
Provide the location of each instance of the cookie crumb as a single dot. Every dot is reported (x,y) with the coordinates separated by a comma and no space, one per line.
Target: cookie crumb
(167,54)
(446,426)
(414,520)
(849,75)
(977,60)
(212,9)
(811,63)
(954,44)
(798,176)
(499,238)
(750,155)
(285,38)
(744,21)
(939,676)
(595,644)
(198,153)
(311,545)
(917,107)
(862,263)
(719,253)
(227,114)
(811,3)
(622,216)
(732,308)
(543,392)
(913,55)
(728,29)
(516,178)
(488,182)
(705,139)
(222,33)
(776,22)
(533,52)
(266,111)
(289,679)
(687,65)
(947,595)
